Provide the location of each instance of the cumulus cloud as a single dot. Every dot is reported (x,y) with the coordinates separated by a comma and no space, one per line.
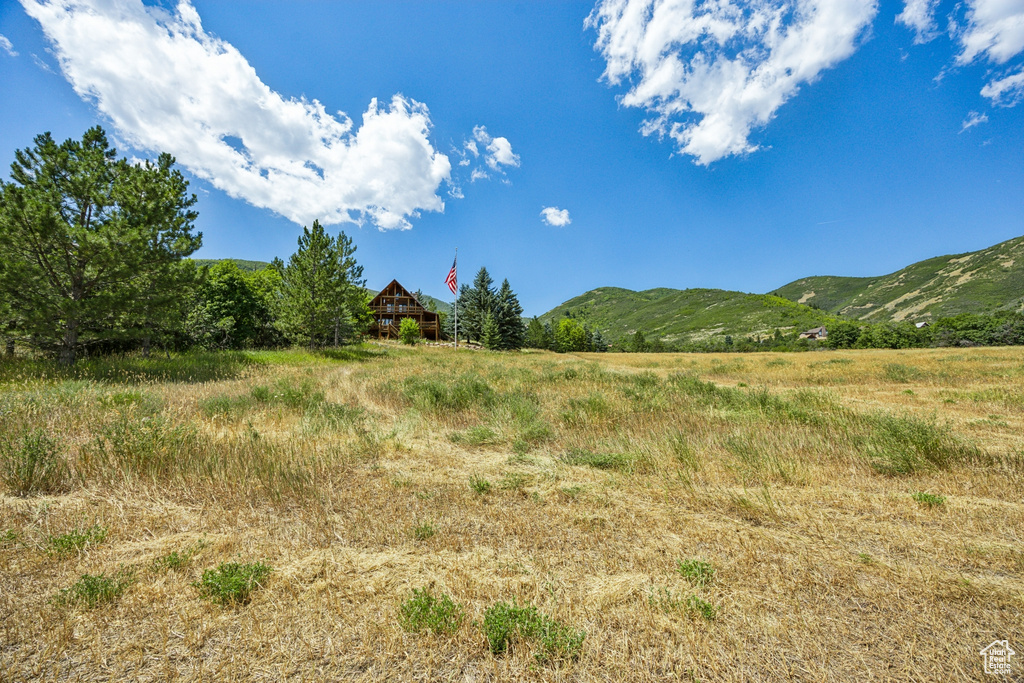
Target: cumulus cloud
(919,16)
(167,85)
(6,46)
(972,120)
(554,216)
(994,29)
(710,73)
(498,151)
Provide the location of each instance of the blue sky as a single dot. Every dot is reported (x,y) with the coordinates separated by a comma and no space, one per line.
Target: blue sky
(732,145)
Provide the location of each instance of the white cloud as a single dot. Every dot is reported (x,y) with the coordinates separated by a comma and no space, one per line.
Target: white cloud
(499,150)
(994,29)
(1006,91)
(973,119)
(478,174)
(6,46)
(552,215)
(730,63)
(919,15)
(167,85)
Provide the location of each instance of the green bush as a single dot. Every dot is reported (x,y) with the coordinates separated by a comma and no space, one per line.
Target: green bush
(424,612)
(93,590)
(409,331)
(33,465)
(505,622)
(231,582)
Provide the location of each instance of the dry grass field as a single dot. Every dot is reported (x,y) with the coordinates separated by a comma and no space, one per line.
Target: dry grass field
(816,517)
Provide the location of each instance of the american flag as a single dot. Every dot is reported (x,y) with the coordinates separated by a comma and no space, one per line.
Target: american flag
(451,280)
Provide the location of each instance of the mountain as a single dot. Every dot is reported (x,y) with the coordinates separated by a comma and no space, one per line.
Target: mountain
(978,282)
(243,265)
(687,315)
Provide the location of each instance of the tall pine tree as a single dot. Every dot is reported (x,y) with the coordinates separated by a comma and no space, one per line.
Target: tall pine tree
(508,316)
(83,235)
(479,302)
(308,301)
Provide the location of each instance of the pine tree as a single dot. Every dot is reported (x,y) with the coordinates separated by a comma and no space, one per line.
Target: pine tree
(508,315)
(536,336)
(490,335)
(309,301)
(350,312)
(479,302)
(82,234)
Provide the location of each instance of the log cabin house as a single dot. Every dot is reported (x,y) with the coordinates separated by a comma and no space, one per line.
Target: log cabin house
(395,302)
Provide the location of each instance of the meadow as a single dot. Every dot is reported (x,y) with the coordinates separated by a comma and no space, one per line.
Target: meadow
(385,513)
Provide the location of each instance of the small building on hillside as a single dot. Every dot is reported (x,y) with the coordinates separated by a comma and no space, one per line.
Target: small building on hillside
(394,303)
(815,333)
(922,324)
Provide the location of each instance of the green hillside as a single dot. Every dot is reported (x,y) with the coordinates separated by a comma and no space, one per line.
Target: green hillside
(977,282)
(688,315)
(244,265)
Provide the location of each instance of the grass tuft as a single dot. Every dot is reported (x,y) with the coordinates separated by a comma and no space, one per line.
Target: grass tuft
(698,572)
(425,612)
(76,540)
(33,465)
(232,583)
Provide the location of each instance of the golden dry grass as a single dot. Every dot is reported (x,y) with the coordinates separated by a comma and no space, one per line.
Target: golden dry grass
(791,474)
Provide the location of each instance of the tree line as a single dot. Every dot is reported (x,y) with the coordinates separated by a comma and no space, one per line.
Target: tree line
(93,258)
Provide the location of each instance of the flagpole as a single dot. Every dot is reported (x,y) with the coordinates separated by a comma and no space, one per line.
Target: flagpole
(456,301)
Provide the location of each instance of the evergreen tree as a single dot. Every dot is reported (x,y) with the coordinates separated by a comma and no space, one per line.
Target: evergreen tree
(490,335)
(599,343)
(308,304)
(349,303)
(508,315)
(479,302)
(82,235)
(537,337)
(448,321)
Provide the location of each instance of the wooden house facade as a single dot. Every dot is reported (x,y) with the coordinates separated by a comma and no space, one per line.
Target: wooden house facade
(395,302)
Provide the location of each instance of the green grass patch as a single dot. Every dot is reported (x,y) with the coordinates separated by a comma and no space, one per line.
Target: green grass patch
(76,540)
(504,623)
(232,583)
(621,462)
(91,591)
(903,445)
(479,435)
(928,499)
(479,485)
(697,572)
(34,464)
(426,612)
(424,531)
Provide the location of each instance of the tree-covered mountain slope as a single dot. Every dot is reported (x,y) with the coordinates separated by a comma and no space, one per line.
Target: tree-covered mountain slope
(688,315)
(976,282)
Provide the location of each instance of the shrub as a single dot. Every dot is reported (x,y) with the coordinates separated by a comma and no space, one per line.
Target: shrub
(424,612)
(699,572)
(409,331)
(92,590)
(76,540)
(231,582)
(34,465)
(505,622)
